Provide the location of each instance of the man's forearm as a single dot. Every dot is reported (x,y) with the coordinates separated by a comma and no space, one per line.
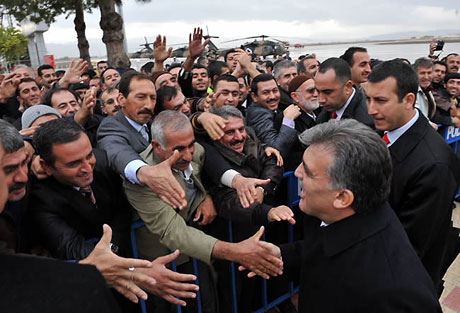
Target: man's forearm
(188,64)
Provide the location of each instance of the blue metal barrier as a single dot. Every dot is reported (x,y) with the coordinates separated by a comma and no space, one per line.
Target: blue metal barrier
(293,192)
(452,136)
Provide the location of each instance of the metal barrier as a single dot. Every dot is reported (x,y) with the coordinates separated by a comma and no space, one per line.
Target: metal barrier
(452,135)
(293,192)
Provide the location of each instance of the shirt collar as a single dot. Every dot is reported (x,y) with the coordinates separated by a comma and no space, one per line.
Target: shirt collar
(394,134)
(187,173)
(342,109)
(134,124)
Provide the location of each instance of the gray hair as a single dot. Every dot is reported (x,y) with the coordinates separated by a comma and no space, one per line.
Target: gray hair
(280,65)
(27,68)
(361,161)
(10,138)
(423,62)
(170,120)
(226,111)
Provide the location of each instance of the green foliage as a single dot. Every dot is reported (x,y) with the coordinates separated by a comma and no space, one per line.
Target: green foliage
(44,10)
(13,44)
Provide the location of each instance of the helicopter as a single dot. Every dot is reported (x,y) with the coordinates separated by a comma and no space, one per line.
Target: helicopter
(182,52)
(263,47)
(145,52)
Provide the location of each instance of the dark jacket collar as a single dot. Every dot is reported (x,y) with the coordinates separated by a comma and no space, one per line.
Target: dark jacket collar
(346,233)
(410,139)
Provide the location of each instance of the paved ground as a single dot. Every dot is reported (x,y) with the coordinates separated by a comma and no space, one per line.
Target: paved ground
(450,298)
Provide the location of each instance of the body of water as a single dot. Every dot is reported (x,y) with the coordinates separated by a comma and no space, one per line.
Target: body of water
(376,51)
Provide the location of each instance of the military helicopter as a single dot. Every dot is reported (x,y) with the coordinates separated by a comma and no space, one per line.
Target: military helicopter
(182,52)
(145,52)
(263,47)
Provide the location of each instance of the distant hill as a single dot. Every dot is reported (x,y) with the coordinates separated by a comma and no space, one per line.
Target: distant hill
(410,34)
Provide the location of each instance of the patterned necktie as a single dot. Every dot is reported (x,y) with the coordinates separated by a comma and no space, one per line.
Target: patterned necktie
(385,139)
(87,192)
(144,133)
(333,115)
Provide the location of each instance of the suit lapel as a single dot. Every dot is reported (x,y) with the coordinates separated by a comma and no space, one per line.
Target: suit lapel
(122,119)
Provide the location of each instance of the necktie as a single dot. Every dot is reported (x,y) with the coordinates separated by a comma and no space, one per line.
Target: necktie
(333,115)
(87,192)
(144,133)
(385,139)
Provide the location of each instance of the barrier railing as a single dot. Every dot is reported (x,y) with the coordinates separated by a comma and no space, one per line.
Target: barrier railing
(293,192)
(451,135)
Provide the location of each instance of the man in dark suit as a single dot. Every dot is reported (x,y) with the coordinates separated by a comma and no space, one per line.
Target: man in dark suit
(426,171)
(355,256)
(336,94)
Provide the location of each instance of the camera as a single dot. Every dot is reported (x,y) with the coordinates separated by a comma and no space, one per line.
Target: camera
(439,45)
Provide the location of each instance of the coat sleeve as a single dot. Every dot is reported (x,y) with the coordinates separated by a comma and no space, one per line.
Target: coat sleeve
(115,141)
(262,122)
(163,221)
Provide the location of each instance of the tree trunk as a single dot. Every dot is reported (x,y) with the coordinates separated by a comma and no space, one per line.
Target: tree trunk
(112,24)
(80,28)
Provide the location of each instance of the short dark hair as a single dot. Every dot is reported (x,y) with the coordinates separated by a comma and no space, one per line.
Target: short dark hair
(147,67)
(228,52)
(215,68)
(43,67)
(405,75)
(165,93)
(258,79)
(90,73)
(450,76)
(46,99)
(440,63)
(447,56)
(268,64)
(197,65)
(348,56)
(103,72)
(59,131)
(201,59)
(361,161)
(227,78)
(174,65)
(339,66)
(126,79)
(102,61)
(25,80)
(301,65)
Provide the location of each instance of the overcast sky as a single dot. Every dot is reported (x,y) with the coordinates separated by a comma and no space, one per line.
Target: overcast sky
(296,21)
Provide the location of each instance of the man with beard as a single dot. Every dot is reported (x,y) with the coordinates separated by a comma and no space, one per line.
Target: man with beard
(46,76)
(305,95)
(453,62)
(439,73)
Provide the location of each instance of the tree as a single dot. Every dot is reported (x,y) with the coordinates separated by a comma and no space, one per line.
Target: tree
(13,44)
(47,10)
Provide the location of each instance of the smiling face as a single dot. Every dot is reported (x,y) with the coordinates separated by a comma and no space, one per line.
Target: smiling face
(361,68)
(29,93)
(65,103)
(425,76)
(200,79)
(306,96)
(74,162)
(234,134)
(268,94)
(316,199)
(453,87)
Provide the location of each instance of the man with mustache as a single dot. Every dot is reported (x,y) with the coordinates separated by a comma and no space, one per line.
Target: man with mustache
(46,76)
(166,228)
(453,62)
(109,101)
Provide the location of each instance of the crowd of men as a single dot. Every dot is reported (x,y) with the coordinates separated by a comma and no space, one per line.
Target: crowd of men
(185,148)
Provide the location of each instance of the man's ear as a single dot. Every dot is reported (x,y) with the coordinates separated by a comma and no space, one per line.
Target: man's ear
(295,97)
(254,97)
(121,100)
(348,88)
(46,167)
(409,101)
(343,199)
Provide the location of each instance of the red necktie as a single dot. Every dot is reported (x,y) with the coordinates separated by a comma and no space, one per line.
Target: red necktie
(385,139)
(88,194)
(333,116)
